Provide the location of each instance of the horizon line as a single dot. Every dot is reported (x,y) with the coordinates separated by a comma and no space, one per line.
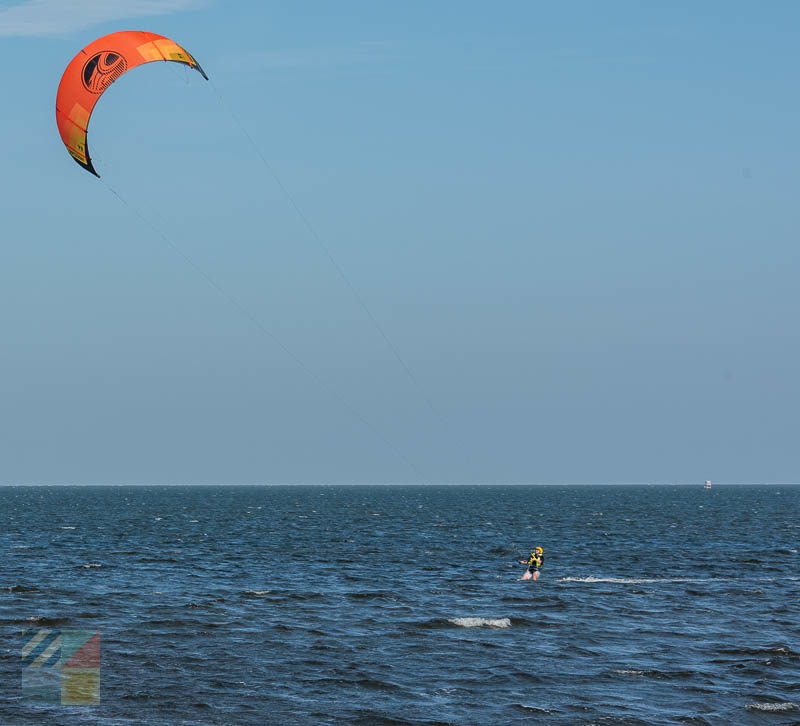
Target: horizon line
(698,484)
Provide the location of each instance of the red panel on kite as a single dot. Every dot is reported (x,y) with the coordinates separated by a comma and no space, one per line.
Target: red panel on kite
(94,69)
(87,656)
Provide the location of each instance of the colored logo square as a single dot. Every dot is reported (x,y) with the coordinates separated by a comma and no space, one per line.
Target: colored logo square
(41,685)
(61,666)
(80,686)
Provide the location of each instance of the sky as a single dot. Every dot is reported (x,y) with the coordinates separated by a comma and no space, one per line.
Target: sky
(451,242)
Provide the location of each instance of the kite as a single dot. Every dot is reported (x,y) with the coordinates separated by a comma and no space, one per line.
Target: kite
(94,69)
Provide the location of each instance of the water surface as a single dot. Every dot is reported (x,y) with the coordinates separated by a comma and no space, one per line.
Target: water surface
(400,605)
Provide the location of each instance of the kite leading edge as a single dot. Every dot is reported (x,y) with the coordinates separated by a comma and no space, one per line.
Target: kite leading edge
(94,69)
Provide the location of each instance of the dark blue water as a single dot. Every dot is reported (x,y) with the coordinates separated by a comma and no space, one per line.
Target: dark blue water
(400,605)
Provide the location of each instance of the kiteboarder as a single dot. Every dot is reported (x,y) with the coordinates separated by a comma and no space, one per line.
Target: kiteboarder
(534,563)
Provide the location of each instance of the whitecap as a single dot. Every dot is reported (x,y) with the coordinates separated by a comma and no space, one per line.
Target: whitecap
(481,622)
(257,592)
(535,709)
(68,528)
(786,706)
(629,580)
(90,565)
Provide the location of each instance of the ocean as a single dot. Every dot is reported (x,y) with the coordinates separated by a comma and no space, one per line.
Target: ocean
(401,605)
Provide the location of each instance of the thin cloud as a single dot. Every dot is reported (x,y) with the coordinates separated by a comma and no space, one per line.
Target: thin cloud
(54,17)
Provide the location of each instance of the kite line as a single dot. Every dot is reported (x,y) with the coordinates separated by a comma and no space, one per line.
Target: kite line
(330,256)
(88,75)
(265,331)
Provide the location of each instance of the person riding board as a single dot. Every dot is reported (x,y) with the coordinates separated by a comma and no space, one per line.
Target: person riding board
(534,563)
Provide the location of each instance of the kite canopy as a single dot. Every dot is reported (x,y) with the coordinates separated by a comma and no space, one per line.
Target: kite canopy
(94,69)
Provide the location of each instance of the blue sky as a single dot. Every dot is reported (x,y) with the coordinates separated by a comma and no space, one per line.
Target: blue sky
(577,225)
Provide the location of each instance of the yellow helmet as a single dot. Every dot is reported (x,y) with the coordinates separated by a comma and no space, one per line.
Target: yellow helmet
(539,550)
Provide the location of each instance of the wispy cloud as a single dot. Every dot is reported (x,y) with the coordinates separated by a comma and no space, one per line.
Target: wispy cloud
(53,17)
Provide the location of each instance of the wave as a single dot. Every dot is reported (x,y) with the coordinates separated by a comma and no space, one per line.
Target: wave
(257,593)
(785,706)
(655,673)
(481,622)
(631,580)
(90,566)
(536,709)
(372,684)
(779,650)
(368,595)
(304,596)
(41,620)
(20,588)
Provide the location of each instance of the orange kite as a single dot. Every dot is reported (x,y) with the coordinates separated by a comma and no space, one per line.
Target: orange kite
(94,69)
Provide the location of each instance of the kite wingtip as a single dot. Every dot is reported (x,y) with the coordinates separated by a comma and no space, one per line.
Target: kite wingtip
(88,166)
